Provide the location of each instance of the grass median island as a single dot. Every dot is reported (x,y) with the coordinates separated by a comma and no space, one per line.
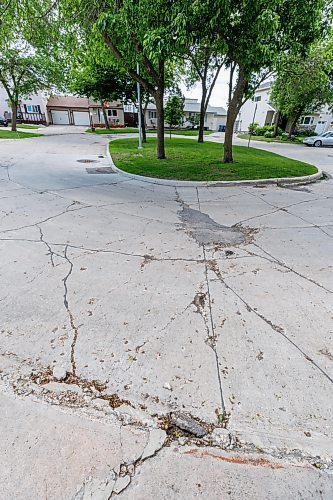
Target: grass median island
(189,160)
(262,138)
(125,130)
(8,134)
(129,130)
(190,132)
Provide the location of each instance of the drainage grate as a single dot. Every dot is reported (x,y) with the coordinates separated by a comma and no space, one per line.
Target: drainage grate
(85,160)
(100,170)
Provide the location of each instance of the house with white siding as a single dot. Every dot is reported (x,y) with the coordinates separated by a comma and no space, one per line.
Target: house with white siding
(214,118)
(261,110)
(30,110)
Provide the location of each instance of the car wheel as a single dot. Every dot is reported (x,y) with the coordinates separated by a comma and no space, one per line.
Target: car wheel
(317,144)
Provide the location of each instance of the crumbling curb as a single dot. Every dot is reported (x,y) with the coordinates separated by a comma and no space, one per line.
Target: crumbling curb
(281,181)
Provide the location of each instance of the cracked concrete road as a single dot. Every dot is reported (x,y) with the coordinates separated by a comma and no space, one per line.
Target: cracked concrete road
(161,341)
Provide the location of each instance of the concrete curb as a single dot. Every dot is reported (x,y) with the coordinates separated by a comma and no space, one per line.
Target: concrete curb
(295,181)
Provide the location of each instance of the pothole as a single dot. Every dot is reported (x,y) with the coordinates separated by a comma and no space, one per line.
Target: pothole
(205,230)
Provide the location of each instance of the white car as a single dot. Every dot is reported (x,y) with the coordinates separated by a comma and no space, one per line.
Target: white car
(317,141)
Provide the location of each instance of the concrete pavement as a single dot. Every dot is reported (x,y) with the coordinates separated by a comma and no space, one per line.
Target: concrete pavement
(161,342)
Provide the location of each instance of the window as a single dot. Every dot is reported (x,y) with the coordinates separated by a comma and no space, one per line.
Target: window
(112,112)
(307,120)
(152,114)
(257,98)
(33,109)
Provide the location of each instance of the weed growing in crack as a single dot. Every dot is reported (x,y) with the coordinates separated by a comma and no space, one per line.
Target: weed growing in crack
(46,376)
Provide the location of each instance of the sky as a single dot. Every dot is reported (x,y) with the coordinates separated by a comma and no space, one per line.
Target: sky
(219,95)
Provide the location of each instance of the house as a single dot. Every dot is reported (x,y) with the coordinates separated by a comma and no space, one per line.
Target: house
(262,111)
(73,110)
(215,116)
(30,110)
(259,109)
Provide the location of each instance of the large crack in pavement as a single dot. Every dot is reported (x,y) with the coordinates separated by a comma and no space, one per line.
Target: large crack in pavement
(213,266)
(170,428)
(208,233)
(178,429)
(69,312)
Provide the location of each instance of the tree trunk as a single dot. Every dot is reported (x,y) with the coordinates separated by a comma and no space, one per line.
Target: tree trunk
(160,123)
(14,116)
(291,126)
(235,104)
(159,96)
(276,124)
(203,108)
(106,121)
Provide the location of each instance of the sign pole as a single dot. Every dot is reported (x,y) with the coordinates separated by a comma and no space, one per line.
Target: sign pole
(139,110)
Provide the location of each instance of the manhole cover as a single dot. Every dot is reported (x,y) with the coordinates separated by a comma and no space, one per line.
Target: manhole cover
(100,170)
(85,160)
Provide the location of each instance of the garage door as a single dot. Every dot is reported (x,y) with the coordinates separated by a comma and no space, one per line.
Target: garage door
(81,118)
(60,117)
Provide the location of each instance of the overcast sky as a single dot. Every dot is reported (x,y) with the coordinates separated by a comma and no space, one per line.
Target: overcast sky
(220,92)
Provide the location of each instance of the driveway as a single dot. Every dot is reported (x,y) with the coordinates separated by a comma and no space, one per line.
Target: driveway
(159,341)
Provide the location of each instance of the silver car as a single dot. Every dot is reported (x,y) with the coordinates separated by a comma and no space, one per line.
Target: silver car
(317,141)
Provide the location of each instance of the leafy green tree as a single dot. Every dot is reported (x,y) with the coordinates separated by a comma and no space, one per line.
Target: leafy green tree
(26,63)
(133,32)
(256,34)
(103,83)
(304,84)
(204,63)
(174,111)
(265,31)
(203,55)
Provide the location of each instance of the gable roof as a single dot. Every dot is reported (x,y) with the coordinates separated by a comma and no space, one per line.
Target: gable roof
(67,101)
(72,101)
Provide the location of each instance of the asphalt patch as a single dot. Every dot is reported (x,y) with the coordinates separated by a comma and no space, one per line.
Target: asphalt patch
(206,231)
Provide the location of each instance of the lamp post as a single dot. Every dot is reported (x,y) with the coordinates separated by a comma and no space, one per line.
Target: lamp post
(139,106)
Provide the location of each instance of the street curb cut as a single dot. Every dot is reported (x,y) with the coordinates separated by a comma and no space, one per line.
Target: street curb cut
(295,181)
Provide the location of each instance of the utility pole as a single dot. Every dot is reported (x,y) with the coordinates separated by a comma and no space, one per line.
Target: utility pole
(139,106)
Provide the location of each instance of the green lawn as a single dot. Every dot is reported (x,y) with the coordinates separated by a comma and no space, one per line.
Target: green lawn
(149,131)
(127,130)
(25,125)
(8,134)
(189,160)
(271,139)
(182,132)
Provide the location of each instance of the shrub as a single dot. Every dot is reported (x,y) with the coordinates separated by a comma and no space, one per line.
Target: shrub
(268,134)
(252,128)
(264,129)
(305,133)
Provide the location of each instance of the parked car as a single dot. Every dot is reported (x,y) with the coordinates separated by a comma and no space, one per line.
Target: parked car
(3,121)
(317,141)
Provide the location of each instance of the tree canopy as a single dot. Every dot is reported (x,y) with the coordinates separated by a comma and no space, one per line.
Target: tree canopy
(174,111)
(304,84)
(29,59)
